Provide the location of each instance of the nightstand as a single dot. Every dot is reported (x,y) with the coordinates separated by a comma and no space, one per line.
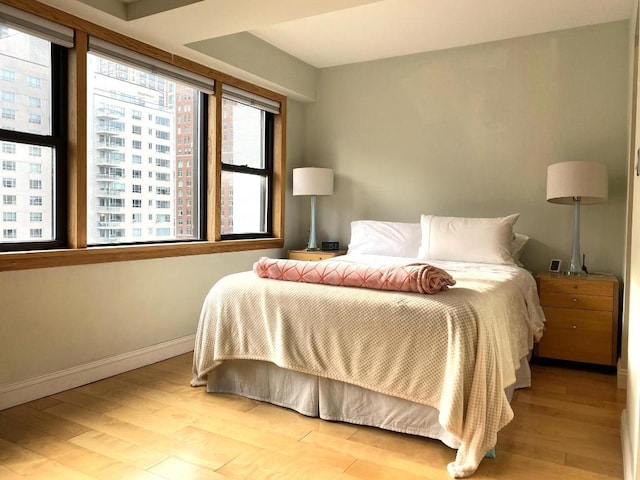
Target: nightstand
(582,317)
(313,256)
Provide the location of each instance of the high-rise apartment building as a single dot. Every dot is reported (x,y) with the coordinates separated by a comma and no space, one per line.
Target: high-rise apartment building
(26,212)
(139,155)
(186,132)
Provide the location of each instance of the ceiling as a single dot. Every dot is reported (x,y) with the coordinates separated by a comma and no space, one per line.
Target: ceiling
(335,32)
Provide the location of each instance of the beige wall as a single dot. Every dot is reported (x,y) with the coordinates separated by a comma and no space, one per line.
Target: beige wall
(470,131)
(58,318)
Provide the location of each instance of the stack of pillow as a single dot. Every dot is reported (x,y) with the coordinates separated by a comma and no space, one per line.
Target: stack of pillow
(461,239)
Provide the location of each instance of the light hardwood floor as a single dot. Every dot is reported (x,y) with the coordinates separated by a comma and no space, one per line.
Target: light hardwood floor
(150,424)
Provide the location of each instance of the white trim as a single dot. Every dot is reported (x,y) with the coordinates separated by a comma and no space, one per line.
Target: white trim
(627,456)
(52,383)
(622,376)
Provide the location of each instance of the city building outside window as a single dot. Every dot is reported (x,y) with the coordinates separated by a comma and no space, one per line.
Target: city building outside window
(33,137)
(247,169)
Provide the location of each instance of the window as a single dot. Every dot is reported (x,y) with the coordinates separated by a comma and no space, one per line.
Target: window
(7,114)
(7,75)
(149,96)
(9,216)
(127,94)
(34,81)
(247,169)
(9,165)
(35,151)
(40,135)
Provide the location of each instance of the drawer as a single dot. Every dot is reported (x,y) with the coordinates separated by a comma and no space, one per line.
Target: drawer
(574,286)
(310,256)
(577,335)
(586,302)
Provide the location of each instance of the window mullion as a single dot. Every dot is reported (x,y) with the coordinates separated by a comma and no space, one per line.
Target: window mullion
(77,150)
(214,165)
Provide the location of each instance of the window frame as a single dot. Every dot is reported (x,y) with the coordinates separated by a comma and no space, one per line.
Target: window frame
(75,250)
(267,172)
(57,140)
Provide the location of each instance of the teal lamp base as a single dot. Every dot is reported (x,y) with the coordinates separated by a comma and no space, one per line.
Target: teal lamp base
(575,267)
(313,242)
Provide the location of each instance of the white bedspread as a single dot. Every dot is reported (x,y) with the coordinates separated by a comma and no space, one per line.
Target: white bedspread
(455,351)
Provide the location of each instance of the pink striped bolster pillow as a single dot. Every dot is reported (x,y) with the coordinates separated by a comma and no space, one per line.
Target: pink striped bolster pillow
(413,277)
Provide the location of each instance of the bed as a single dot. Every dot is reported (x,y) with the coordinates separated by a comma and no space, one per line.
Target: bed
(442,366)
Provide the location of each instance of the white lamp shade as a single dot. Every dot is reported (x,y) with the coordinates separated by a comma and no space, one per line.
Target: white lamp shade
(587,180)
(312,181)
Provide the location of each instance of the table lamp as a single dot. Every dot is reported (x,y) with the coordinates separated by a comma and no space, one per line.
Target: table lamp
(312,181)
(577,183)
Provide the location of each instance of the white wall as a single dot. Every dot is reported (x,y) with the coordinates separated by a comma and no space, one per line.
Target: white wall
(55,319)
(471,131)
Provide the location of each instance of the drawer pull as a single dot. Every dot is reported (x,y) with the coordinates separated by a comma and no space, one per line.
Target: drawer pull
(575,299)
(575,285)
(574,326)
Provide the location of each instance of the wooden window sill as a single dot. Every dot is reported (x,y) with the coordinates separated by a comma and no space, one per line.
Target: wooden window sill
(102,254)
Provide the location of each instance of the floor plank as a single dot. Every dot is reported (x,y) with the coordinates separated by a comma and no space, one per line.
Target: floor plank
(150,424)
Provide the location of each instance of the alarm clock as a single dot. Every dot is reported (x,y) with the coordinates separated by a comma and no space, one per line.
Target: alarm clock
(330,246)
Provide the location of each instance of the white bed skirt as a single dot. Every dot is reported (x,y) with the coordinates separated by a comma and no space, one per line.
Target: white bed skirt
(333,400)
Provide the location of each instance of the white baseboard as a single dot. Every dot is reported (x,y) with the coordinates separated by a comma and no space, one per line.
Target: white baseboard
(622,376)
(627,454)
(42,386)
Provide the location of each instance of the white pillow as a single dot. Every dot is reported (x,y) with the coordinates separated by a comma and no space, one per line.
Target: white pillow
(395,239)
(464,239)
(517,246)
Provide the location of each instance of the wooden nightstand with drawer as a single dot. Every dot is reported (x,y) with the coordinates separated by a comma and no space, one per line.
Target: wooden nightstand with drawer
(582,318)
(313,255)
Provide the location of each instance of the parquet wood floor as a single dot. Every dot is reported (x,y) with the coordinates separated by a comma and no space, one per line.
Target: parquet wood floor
(150,424)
